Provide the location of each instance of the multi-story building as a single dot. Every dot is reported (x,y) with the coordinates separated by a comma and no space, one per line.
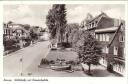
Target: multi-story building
(8,32)
(14,32)
(117,49)
(110,34)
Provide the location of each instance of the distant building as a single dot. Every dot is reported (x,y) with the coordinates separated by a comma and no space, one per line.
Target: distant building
(21,33)
(8,32)
(110,34)
(15,30)
(45,36)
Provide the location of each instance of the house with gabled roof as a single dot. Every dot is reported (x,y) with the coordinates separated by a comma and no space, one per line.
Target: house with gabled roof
(104,29)
(117,49)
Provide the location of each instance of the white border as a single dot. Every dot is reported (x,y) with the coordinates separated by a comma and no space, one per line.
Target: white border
(63,80)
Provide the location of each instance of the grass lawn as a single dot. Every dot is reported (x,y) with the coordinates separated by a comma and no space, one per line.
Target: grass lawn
(62,54)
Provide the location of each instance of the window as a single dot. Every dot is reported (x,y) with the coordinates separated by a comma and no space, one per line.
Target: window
(96,36)
(9,32)
(115,50)
(95,23)
(100,37)
(107,37)
(4,31)
(92,24)
(121,38)
(105,49)
(103,37)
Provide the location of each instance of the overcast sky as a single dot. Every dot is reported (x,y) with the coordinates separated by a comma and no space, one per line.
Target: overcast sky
(36,14)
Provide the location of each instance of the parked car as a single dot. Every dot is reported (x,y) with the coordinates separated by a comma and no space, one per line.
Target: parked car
(53,46)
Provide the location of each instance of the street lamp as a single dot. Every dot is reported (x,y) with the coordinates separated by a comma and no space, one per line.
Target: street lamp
(21,61)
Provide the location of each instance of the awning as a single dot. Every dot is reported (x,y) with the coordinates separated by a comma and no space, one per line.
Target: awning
(110,29)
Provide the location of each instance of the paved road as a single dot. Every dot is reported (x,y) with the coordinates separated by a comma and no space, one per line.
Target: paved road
(31,57)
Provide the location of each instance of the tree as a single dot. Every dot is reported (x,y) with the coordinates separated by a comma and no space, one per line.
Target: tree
(33,35)
(90,52)
(27,26)
(88,18)
(56,21)
(71,30)
(9,22)
(50,22)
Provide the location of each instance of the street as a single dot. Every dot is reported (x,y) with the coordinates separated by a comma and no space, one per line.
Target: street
(25,61)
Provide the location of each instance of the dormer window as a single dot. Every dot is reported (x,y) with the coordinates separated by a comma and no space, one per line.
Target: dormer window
(96,23)
(92,24)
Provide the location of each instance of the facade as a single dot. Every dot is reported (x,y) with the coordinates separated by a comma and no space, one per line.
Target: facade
(110,34)
(16,33)
(117,49)
(20,33)
(15,30)
(8,32)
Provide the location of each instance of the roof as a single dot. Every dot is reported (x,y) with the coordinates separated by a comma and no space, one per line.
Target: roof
(21,29)
(98,17)
(110,29)
(115,34)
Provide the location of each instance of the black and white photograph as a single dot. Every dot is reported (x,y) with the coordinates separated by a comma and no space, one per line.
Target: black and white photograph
(64,40)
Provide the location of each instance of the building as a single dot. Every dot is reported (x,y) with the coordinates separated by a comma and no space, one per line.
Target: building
(8,32)
(15,32)
(117,49)
(95,23)
(110,34)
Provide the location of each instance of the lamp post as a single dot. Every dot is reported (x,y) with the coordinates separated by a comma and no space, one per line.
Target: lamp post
(21,61)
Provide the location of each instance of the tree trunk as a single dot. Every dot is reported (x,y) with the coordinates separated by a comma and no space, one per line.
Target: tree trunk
(89,68)
(67,38)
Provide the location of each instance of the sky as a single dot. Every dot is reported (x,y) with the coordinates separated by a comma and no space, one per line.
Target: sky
(35,15)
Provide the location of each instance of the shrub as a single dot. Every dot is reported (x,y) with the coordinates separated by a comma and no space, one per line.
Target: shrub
(64,45)
(71,62)
(52,62)
(44,61)
(10,44)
